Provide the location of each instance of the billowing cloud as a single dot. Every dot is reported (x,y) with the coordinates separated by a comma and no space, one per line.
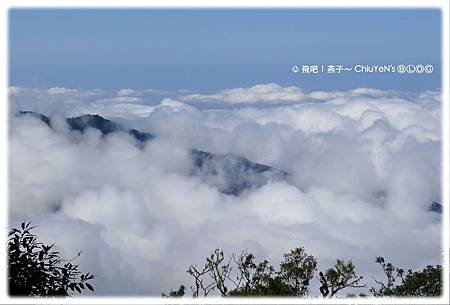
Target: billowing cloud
(364,165)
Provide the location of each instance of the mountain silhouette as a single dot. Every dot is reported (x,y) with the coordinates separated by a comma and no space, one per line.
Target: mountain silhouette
(230,174)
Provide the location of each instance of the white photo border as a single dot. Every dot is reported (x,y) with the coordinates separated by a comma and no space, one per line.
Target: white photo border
(6,5)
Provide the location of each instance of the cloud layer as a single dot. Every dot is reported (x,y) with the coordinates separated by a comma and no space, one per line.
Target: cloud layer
(365,167)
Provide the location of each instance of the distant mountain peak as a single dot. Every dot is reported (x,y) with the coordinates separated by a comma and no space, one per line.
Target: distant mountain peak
(42,117)
(83,122)
(435,207)
(230,174)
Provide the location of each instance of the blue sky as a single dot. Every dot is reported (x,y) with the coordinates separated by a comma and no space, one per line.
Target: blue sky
(213,49)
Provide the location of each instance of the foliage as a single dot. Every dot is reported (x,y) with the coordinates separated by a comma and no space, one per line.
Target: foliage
(341,275)
(258,279)
(242,275)
(175,293)
(216,270)
(297,270)
(36,270)
(414,283)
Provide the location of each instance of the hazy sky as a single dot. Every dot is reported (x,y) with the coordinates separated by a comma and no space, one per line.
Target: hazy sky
(216,49)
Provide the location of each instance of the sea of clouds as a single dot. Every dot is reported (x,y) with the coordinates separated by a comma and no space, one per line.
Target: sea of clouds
(365,165)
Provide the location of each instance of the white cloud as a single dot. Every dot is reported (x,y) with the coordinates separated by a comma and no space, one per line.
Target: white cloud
(61,90)
(256,94)
(127,92)
(121,99)
(365,166)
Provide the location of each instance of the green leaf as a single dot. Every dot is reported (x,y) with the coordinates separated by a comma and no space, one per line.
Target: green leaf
(89,286)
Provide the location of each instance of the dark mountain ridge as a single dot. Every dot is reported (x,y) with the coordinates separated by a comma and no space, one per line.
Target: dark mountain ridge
(105,126)
(230,174)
